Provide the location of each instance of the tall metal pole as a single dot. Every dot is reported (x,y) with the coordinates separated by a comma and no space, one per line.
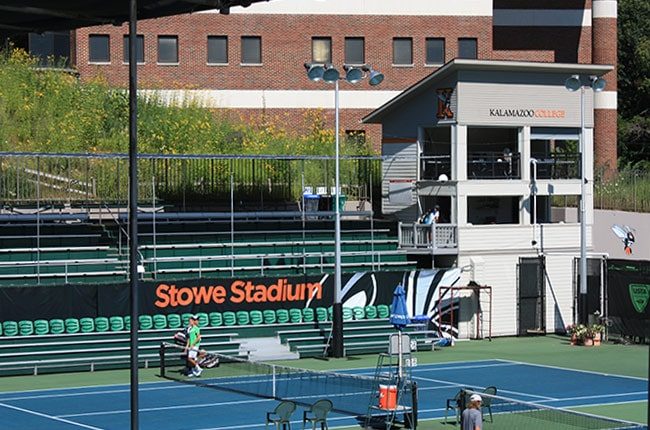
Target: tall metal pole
(133,206)
(337,308)
(583,211)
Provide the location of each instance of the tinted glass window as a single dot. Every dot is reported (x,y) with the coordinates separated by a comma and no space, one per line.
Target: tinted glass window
(321,50)
(251,50)
(139,43)
(435,50)
(99,48)
(354,50)
(467,48)
(402,50)
(217,49)
(168,49)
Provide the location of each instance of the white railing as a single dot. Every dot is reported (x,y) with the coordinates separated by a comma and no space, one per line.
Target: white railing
(433,236)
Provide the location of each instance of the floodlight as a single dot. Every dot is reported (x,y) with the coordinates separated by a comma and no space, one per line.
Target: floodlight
(598,84)
(314,71)
(331,74)
(573,83)
(353,74)
(375,77)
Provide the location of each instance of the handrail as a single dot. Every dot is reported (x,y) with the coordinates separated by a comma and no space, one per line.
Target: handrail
(433,236)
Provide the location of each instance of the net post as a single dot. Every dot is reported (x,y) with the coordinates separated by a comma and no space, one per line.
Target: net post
(463,405)
(273,381)
(414,405)
(161,353)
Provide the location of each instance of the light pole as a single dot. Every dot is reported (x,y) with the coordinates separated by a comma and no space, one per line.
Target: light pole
(354,74)
(597,84)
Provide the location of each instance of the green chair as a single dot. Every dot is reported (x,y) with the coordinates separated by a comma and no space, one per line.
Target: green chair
(295,315)
(116,323)
(371,312)
(127,322)
(174,321)
(57,326)
(257,317)
(487,400)
(308,315)
(383,311)
(72,326)
(359,313)
(243,318)
(101,324)
(0,329)
(269,316)
(282,315)
(281,415)
(185,318)
(317,414)
(145,322)
(216,319)
(25,328)
(204,321)
(330,313)
(321,314)
(87,325)
(10,328)
(41,327)
(347,314)
(229,318)
(159,322)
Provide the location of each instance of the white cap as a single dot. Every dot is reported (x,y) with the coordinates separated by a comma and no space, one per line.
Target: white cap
(475,398)
(195,317)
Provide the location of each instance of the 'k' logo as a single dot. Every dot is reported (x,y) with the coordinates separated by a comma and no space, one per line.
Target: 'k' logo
(640,294)
(444,103)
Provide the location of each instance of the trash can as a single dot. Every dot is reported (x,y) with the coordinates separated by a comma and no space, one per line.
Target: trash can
(342,199)
(310,202)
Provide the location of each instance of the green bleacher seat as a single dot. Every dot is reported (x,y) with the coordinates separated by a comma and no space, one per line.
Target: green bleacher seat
(216,319)
(229,318)
(101,324)
(348,315)
(295,315)
(282,315)
(371,312)
(174,321)
(383,311)
(57,326)
(159,321)
(0,329)
(87,325)
(359,313)
(10,328)
(203,319)
(145,322)
(41,327)
(330,312)
(308,315)
(321,314)
(243,318)
(269,316)
(185,318)
(116,323)
(25,328)
(127,322)
(72,325)
(257,317)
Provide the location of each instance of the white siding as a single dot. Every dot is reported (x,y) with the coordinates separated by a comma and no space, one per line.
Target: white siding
(504,238)
(559,291)
(402,167)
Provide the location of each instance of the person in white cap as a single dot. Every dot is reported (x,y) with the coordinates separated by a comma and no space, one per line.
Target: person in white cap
(472,418)
(193,344)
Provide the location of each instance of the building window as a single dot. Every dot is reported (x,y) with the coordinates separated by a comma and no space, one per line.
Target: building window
(251,50)
(354,50)
(168,49)
(321,49)
(402,50)
(435,50)
(99,48)
(467,48)
(217,49)
(51,48)
(139,52)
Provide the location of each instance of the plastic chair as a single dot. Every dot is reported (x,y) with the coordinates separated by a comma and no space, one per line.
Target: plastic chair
(145,322)
(229,318)
(243,318)
(308,315)
(116,323)
(216,319)
(348,314)
(359,313)
(185,318)
(57,326)
(41,327)
(487,400)
(321,314)
(283,316)
(127,322)
(281,416)
(455,405)
(295,315)
(10,328)
(203,319)
(383,311)
(25,328)
(174,321)
(269,316)
(318,411)
(101,324)
(159,321)
(371,312)
(72,326)
(87,325)
(257,317)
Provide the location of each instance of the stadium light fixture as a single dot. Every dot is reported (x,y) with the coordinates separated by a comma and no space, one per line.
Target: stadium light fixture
(332,75)
(573,84)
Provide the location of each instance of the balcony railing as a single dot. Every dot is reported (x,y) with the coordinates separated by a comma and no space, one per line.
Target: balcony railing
(493,165)
(432,236)
(432,166)
(557,165)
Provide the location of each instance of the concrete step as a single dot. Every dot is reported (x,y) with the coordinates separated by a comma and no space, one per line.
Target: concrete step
(266,349)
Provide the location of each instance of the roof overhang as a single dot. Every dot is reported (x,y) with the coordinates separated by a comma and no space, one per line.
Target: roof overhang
(23,16)
(457,65)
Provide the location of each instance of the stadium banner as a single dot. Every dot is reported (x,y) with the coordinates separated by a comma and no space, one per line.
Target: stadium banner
(220,295)
(628,297)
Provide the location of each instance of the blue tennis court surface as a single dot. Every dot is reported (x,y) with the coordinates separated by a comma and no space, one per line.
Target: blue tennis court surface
(168,405)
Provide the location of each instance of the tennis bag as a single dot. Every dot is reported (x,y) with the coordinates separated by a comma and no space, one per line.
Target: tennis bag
(180,337)
(209,361)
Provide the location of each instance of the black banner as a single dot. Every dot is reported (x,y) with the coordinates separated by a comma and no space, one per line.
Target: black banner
(628,297)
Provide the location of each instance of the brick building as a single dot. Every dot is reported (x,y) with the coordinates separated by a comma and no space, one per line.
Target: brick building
(252,60)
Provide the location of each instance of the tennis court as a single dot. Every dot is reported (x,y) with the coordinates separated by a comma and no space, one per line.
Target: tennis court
(174,405)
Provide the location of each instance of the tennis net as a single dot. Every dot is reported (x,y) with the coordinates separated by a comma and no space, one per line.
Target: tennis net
(350,394)
(513,414)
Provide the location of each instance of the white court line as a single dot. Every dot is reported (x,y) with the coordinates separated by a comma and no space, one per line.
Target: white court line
(82,393)
(49,417)
(636,378)
(417,369)
(598,396)
(461,384)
